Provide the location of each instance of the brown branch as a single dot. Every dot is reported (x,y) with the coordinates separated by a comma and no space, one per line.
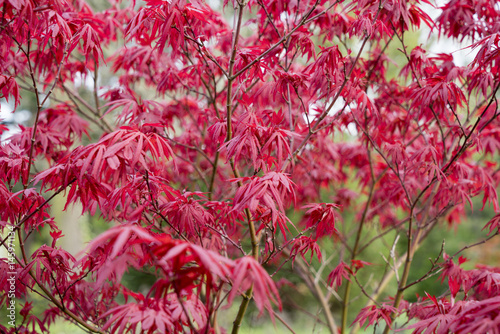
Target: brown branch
(251,227)
(476,244)
(72,94)
(304,20)
(429,273)
(345,304)
(334,100)
(303,270)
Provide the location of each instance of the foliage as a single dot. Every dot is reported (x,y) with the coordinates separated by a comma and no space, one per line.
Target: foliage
(239,165)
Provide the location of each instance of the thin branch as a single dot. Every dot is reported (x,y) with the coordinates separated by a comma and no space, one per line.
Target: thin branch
(474,245)
(304,21)
(334,100)
(347,292)
(318,293)
(283,322)
(429,273)
(74,95)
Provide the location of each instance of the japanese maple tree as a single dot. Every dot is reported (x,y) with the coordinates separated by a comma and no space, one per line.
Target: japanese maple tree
(239,140)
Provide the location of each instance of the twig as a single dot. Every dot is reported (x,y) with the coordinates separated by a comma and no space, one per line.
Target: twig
(429,273)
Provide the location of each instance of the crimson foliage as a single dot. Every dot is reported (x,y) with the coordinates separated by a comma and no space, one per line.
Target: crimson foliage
(222,129)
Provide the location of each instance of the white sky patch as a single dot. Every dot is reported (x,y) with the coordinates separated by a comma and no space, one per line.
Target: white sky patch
(12,119)
(113,84)
(337,106)
(351,128)
(462,55)
(83,80)
(313,110)
(214,4)
(6,111)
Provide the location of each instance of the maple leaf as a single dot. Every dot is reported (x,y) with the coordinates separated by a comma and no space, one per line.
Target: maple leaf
(302,245)
(274,220)
(119,237)
(26,202)
(438,92)
(192,306)
(485,280)
(326,71)
(218,131)
(322,215)
(397,152)
(284,83)
(480,80)
(301,40)
(12,162)
(134,197)
(151,314)
(117,249)
(493,224)
(118,150)
(187,214)
(91,42)
(136,111)
(51,266)
(278,140)
(285,77)
(246,143)
(247,272)
(489,50)
(133,57)
(372,314)
(9,87)
(181,254)
(341,271)
(478,317)
(63,119)
(269,191)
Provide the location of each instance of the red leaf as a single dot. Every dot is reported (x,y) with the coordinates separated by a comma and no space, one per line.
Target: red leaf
(303,245)
(270,190)
(493,224)
(91,43)
(248,272)
(373,314)
(335,277)
(9,87)
(119,237)
(322,216)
